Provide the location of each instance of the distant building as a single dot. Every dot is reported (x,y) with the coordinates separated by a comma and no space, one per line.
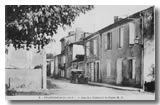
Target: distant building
(71,46)
(56,71)
(50,64)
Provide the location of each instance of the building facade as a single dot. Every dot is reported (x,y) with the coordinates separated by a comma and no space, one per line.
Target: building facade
(125,47)
(57,62)
(72,45)
(92,57)
(121,57)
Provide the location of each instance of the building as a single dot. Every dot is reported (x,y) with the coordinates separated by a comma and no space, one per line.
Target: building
(78,63)
(71,46)
(121,57)
(92,58)
(116,54)
(57,62)
(124,49)
(50,64)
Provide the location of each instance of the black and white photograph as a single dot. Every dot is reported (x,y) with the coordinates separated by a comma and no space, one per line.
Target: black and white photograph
(80,52)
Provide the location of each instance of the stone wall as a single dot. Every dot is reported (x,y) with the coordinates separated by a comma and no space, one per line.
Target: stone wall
(22,79)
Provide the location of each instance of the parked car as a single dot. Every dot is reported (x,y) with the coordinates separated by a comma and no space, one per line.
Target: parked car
(77,76)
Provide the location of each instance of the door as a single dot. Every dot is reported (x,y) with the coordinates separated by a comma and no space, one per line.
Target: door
(97,71)
(92,72)
(132,68)
(119,71)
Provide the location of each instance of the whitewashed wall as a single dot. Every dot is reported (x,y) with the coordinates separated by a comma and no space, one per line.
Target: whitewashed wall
(22,79)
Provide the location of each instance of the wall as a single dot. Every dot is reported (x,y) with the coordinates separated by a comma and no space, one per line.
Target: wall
(149,44)
(22,79)
(23,59)
(126,52)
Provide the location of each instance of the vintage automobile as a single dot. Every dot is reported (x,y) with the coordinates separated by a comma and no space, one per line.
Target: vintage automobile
(77,76)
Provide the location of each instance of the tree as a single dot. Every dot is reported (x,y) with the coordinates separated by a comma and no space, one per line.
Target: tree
(28,25)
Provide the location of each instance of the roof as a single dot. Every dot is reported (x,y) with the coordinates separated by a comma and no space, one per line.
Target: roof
(57,55)
(49,56)
(78,42)
(118,23)
(93,34)
(123,21)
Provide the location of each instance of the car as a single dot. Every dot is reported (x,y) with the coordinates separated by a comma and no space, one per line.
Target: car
(77,76)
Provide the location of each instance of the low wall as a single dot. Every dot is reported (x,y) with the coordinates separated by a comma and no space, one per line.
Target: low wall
(22,79)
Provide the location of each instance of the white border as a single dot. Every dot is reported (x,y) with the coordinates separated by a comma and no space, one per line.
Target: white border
(53,2)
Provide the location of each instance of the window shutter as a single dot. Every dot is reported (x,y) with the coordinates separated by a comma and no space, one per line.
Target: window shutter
(105,42)
(95,46)
(134,68)
(108,68)
(131,33)
(121,37)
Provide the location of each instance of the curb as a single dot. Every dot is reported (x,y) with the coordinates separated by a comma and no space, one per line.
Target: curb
(115,87)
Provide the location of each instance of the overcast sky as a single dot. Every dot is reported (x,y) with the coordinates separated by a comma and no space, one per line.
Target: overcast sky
(100,17)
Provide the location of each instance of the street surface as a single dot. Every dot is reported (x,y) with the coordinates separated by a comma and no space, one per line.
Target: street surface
(62,87)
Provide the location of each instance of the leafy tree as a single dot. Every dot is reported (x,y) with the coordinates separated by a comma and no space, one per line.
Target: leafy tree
(28,25)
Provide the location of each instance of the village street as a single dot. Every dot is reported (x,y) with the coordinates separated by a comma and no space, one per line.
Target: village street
(63,87)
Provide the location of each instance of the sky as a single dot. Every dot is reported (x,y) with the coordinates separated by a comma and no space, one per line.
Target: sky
(94,20)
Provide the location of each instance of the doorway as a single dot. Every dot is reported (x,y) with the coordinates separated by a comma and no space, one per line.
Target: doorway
(119,71)
(97,71)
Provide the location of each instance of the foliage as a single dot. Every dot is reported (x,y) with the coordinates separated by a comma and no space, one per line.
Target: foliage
(36,24)
(148,23)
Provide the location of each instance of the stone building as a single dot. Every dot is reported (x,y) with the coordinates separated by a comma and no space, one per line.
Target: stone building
(117,53)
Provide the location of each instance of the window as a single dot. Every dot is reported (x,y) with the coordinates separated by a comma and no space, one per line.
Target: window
(105,42)
(74,66)
(108,68)
(88,48)
(131,33)
(95,47)
(80,66)
(121,30)
(92,71)
(132,68)
(108,41)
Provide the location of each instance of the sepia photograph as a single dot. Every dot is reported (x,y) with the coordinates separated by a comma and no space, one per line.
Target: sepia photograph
(80,52)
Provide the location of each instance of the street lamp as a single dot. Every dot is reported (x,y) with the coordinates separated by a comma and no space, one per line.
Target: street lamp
(137,40)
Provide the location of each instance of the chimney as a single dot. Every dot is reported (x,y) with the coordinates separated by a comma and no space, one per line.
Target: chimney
(116,19)
(78,34)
